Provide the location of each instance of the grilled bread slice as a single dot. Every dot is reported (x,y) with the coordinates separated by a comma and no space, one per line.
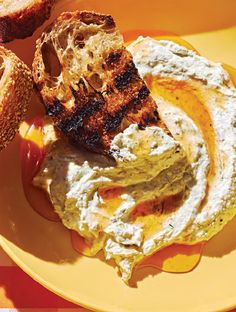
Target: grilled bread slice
(16,85)
(20,18)
(88,81)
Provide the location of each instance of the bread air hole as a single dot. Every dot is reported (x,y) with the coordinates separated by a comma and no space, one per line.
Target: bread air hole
(95,81)
(50,60)
(79,41)
(89,67)
(63,41)
(1,67)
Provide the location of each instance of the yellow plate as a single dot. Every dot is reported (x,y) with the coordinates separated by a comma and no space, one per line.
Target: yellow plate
(43,249)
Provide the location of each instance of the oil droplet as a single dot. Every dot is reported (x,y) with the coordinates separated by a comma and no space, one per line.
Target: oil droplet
(80,244)
(175,258)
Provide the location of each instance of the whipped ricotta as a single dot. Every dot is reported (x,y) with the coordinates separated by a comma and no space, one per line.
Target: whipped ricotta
(168,59)
(214,88)
(149,164)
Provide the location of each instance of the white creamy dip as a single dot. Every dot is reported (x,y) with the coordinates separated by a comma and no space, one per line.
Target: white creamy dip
(215,90)
(149,164)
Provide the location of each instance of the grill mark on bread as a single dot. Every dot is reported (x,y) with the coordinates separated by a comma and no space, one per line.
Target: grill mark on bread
(75,120)
(112,123)
(94,140)
(55,109)
(112,58)
(142,94)
(150,119)
(126,77)
(100,89)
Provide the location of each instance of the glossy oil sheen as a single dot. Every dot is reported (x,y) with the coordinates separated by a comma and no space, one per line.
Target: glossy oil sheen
(43,249)
(174,258)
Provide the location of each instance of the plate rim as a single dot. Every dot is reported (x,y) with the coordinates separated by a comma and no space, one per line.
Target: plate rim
(227,305)
(223,305)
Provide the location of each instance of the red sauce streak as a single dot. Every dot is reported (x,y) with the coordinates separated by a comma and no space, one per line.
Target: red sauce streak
(111,192)
(169,203)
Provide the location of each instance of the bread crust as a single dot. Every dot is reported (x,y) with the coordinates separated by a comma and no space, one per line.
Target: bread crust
(22,23)
(16,85)
(88,81)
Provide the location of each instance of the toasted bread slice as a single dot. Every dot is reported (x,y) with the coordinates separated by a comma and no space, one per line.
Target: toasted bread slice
(19,19)
(88,81)
(16,85)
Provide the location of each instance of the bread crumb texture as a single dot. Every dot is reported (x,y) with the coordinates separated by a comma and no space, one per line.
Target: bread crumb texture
(19,19)
(16,87)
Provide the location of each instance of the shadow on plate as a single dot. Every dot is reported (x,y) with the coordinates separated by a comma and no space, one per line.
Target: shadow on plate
(220,245)
(138,275)
(141,273)
(223,243)
(20,224)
